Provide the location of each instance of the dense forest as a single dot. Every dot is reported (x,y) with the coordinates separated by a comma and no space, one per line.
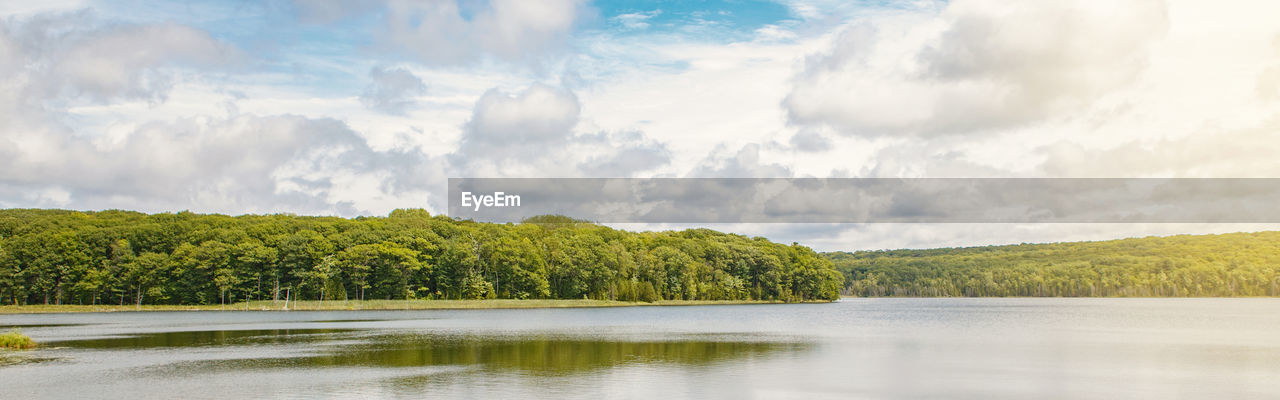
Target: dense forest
(1238,264)
(121,257)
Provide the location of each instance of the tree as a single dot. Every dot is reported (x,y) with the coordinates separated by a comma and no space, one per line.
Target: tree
(58,256)
(144,272)
(323,274)
(256,260)
(388,264)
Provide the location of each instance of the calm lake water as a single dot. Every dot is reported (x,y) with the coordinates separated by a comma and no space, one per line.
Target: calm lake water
(855,348)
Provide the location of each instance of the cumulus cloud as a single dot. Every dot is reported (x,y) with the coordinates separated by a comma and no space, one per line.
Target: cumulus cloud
(28,8)
(234,164)
(810,141)
(1204,107)
(453,32)
(743,163)
(523,126)
(1211,152)
(621,154)
(532,133)
(97,113)
(392,90)
(239,164)
(76,56)
(979,65)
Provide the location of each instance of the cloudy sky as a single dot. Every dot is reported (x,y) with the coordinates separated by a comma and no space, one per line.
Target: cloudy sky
(360,107)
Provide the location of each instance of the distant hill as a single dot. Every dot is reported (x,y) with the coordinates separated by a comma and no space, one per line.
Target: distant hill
(1237,264)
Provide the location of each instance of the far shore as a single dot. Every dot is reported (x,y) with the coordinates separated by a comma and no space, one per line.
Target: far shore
(352,305)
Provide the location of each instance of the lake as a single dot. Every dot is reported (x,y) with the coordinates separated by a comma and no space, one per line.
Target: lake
(977,348)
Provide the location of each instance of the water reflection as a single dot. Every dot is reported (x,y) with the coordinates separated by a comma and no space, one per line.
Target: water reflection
(857,348)
(7,327)
(204,338)
(538,354)
(548,355)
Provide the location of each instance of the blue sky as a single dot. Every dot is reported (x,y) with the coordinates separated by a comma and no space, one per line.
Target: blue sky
(320,53)
(360,107)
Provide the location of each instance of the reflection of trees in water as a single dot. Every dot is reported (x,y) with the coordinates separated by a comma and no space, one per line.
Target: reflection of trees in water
(531,353)
(542,354)
(204,338)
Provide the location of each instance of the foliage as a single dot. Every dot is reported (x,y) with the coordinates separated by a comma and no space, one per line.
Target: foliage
(15,340)
(345,305)
(1239,264)
(121,257)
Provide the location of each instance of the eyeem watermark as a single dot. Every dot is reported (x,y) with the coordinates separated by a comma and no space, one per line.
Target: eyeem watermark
(497,199)
(871,200)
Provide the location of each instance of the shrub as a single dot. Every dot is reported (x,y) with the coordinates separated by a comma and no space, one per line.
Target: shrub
(15,340)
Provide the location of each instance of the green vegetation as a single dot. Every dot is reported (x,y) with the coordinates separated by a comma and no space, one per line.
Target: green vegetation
(121,257)
(15,340)
(341,305)
(1239,264)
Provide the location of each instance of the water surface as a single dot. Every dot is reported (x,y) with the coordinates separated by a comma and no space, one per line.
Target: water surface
(855,348)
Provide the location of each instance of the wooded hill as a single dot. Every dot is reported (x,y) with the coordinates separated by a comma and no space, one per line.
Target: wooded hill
(1238,264)
(122,257)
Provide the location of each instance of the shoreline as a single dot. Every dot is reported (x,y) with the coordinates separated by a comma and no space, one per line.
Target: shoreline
(373,305)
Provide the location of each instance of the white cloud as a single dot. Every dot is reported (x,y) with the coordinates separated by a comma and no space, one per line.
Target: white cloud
(110,114)
(76,57)
(240,164)
(449,33)
(692,95)
(392,90)
(234,164)
(811,140)
(979,65)
(1210,152)
(533,134)
(743,163)
(28,8)
(522,126)
(636,20)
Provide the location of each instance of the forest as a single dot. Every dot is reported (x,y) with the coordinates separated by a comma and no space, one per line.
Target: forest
(123,257)
(1237,264)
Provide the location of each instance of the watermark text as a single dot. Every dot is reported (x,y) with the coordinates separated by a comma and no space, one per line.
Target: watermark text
(497,199)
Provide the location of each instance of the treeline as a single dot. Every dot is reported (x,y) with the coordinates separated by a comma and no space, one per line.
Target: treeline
(122,257)
(1239,264)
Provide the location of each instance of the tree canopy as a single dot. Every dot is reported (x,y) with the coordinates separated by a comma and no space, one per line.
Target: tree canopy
(72,257)
(1238,264)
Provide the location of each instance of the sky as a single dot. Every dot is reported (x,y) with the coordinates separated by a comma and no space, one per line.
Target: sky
(361,107)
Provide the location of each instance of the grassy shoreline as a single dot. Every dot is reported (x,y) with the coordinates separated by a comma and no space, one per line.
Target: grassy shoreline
(368,305)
